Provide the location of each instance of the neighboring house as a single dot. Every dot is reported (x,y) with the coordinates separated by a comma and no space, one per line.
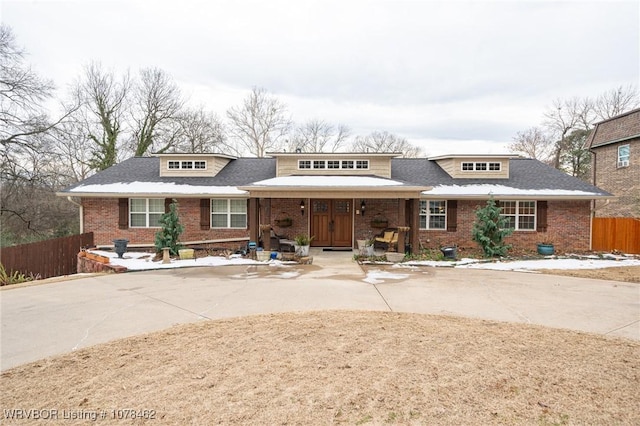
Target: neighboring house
(615,148)
(336,197)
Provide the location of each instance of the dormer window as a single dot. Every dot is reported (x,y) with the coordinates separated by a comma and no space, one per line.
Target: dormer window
(186,165)
(333,164)
(481,167)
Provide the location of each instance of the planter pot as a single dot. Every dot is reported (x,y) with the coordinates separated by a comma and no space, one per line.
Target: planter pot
(263,255)
(284,223)
(361,244)
(379,224)
(367,251)
(545,249)
(449,252)
(302,251)
(120,246)
(394,257)
(185,253)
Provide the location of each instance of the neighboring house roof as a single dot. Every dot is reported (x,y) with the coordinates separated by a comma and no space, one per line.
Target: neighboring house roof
(616,129)
(139,176)
(528,178)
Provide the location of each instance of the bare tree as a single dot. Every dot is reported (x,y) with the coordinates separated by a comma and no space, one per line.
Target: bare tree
(260,123)
(533,143)
(29,167)
(563,117)
(22,95)
(616,101)
(318,136)
(385,142)
(104,103)
(158,103)
(201,131)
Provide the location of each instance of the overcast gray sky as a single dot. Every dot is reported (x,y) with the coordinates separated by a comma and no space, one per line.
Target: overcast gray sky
(450,76)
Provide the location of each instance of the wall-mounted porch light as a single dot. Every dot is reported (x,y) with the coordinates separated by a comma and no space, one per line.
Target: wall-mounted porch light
(302,207)
(363,206)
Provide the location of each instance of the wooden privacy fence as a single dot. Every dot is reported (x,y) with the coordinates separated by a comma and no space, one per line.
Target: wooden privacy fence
(50,258)
(616,233)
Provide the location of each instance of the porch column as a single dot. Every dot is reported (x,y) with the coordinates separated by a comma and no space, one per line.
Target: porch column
(265,219)
(414,221)
(402,221)
(254,220)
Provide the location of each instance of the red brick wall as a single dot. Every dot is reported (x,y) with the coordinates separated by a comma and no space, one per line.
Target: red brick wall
(101,218)
(623,182)
(568,224)
(568,228)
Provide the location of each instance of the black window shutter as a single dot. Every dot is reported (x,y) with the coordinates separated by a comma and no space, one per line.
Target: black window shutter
(541,218)
(205,213)
(452,215)
(167,203)
(123,213)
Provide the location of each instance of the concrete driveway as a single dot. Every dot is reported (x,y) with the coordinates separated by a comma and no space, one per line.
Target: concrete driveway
(49,319)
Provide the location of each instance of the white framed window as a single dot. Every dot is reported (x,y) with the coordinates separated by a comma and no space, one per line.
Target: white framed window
(624,154)
(187,165)
(304,164)
(333,164)
(466,167)
(521,215)
(433,214)
(145,212)
(481,166)
(228,213)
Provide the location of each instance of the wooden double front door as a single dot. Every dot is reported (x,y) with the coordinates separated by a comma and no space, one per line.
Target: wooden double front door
(331,223)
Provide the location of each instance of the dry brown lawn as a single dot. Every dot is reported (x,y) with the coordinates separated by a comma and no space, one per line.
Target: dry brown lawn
(342,368)
(630,274)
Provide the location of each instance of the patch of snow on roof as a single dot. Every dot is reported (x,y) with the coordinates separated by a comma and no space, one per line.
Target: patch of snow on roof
(487,189)
(333,181)
(157,188)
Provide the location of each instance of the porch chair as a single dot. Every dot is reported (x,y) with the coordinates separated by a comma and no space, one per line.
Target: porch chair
(387,240)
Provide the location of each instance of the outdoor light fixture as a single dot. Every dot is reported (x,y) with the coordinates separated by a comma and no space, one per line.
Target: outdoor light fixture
(302,207)
(363,205)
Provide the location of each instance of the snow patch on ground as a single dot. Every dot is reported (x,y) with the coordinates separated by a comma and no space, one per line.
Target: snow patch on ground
(376,276)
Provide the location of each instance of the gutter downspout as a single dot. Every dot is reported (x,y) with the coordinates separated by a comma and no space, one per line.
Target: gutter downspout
(81,212)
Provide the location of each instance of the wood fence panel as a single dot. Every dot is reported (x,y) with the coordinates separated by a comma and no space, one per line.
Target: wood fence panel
(50,258)
(616,233)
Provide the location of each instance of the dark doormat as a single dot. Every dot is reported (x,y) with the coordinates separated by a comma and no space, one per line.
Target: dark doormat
(337,249)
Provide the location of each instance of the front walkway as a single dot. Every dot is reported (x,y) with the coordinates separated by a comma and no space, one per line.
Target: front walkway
(49,319)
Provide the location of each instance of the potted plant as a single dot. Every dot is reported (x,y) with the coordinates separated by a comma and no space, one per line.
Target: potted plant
(379,222)
(546,248)
(284,222)
(303,242)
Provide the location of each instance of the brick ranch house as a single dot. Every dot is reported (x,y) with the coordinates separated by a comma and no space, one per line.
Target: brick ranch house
(615,164)
(336,197)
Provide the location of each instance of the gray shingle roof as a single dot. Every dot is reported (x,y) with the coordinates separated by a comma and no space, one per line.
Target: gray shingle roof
(239,172)
(525,174)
